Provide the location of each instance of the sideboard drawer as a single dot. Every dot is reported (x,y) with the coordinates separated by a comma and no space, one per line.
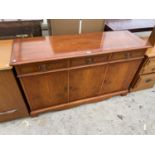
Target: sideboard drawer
(120,55)
(137,53)
(144,82)
(149,67)
(11,113)
(89,60)
(128,54)
(41,67)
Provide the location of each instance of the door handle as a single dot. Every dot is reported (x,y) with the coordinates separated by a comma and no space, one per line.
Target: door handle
(148,80)
(8,112)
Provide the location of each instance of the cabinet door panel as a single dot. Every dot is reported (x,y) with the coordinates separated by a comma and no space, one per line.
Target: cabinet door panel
(46,90)
(119,76)
(85,82)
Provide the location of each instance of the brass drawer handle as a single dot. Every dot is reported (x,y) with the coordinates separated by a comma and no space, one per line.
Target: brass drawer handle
(89,60)
(127,55)
(148,80)
(22,36)
(42,67)
(8,112)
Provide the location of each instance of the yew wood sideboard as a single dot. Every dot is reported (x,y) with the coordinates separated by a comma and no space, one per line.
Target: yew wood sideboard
(12,104)
(59,72)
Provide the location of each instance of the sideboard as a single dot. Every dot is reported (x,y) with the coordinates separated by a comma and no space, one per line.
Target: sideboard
(59,72)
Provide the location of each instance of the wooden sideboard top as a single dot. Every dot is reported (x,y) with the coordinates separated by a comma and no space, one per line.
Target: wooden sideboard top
(5,54)
(133,25)
(30,50)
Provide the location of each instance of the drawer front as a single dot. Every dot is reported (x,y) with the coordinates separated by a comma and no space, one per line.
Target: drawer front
(144,82)
(149,67)
(137,53)
(41,67)
(128,54)
(11,113)
(88,60)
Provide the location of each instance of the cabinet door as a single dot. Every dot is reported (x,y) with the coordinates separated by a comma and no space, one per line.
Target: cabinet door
(119,76)
(85,82)
(46,90)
